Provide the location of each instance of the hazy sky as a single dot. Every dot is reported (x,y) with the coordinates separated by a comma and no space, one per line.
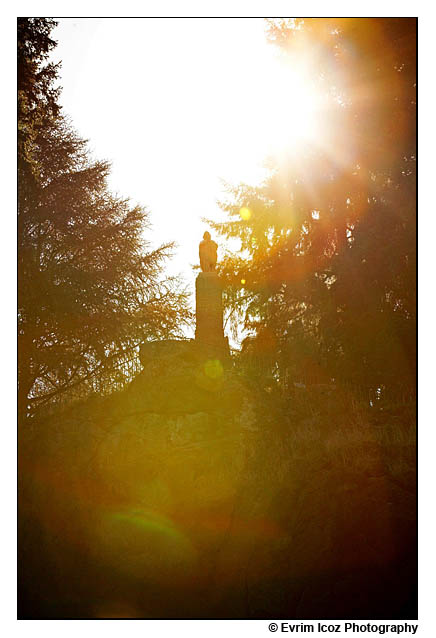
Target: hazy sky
(175,105)
(172,104)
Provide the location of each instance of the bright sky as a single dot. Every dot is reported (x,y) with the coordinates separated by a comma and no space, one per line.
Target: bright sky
(172,103)
(175,105)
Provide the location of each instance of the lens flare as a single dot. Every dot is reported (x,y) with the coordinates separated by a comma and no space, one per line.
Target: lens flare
(150,521)
(146,544)
(245,213)
(213,369)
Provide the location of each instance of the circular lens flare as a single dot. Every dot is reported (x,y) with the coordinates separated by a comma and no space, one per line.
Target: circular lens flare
(245,213)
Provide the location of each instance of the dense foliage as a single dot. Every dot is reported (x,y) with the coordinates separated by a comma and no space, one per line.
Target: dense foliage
(324,281)
(90,289)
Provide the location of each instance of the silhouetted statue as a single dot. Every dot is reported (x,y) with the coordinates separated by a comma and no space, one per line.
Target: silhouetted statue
(208,253)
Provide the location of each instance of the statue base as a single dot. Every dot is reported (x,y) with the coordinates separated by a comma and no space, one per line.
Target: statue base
(209,313)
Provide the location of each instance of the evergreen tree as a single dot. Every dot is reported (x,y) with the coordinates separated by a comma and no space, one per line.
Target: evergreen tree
(325,278)
(89,287)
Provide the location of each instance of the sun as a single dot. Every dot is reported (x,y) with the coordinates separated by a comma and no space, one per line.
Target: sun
(293,113)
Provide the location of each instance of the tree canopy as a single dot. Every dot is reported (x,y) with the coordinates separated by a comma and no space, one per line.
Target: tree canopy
(90,288)
(324,280)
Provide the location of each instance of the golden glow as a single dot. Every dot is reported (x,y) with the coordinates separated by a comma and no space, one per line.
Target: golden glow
(243,281)
(245,213)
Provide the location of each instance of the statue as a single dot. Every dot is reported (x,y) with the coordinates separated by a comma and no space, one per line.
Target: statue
(209,331)
(208,253)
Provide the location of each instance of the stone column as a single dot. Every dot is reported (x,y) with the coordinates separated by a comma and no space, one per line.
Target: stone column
(209,311)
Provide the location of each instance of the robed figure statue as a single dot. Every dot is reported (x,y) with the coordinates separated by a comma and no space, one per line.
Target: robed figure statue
(208,253)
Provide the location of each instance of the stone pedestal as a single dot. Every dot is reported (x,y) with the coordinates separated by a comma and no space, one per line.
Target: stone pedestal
(209,311)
